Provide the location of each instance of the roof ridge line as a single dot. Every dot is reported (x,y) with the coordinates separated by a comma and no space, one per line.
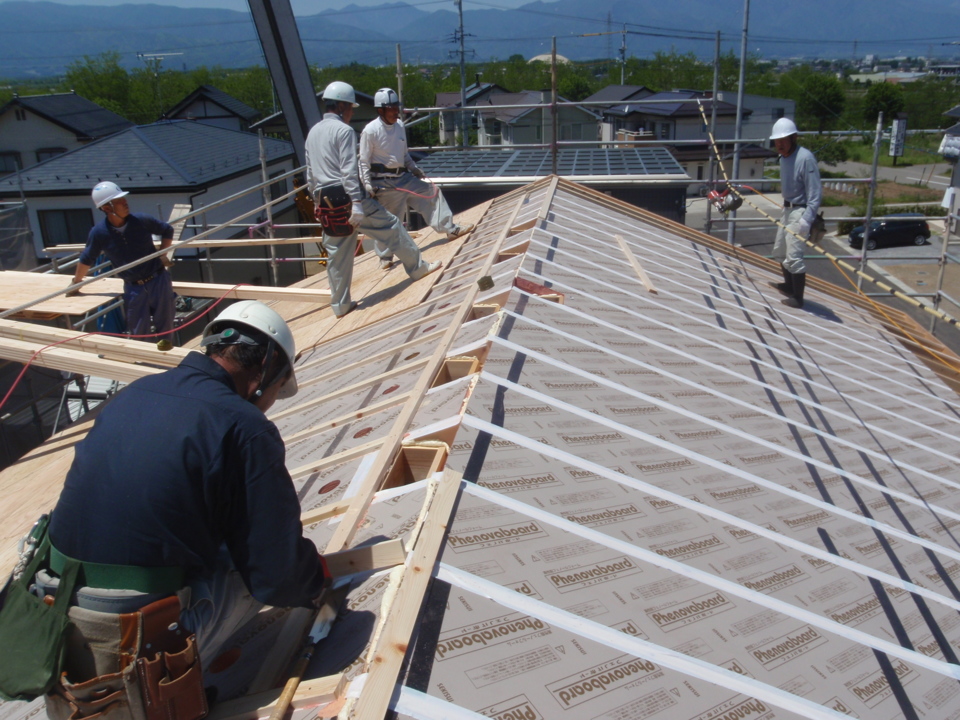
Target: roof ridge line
(189,177)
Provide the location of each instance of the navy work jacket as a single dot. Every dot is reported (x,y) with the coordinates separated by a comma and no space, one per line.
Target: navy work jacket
(135,242)
(178,464)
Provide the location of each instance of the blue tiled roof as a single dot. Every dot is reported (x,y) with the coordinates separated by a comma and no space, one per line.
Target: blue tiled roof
(227,102)
(76,114)
(166,155)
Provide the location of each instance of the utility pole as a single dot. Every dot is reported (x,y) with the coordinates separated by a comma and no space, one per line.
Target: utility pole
(399,75)
(713,125)
(153,61)
(739,126)
(623,53)
(463,79)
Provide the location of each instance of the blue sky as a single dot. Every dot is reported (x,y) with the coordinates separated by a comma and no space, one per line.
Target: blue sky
(300,7)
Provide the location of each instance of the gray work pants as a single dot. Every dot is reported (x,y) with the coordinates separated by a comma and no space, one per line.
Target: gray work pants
(397,194)
(787,248)
(383,228)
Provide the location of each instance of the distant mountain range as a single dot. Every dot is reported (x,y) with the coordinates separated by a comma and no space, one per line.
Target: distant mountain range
(41,38)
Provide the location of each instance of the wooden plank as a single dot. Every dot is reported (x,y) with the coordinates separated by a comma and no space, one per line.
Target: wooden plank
(18,288)
(352,349)
(311,693)
(340,457)
(637,267)
(378,556)
(75,361)
(251,292)
(391,647)
(107,347)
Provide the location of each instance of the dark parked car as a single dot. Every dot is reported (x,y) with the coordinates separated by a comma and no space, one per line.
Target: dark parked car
(911,230)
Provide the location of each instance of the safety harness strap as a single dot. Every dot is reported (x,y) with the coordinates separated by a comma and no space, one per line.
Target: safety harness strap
(122,577)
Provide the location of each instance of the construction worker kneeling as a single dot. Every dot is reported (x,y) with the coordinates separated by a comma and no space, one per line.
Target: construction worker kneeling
(177,523)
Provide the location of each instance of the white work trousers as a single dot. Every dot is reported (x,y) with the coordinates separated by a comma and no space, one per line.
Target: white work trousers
(787,248)
(384,229)
(397,194)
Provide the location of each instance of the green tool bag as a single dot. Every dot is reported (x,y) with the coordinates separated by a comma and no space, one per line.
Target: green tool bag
(33,634)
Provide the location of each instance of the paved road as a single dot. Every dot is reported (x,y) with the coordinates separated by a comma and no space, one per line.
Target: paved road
(934,175)
(758,237)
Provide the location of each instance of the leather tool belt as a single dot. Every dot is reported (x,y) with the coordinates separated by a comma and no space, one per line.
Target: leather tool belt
(333,211)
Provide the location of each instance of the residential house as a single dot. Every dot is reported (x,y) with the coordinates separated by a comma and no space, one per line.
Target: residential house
(519,124)
(614,95)
(674,115)
(209,105)
(35,128)
(763,113)
(160,165)
(475,94)
(276,124)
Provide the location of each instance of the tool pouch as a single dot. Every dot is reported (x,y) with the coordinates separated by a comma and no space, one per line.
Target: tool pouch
(333,211)
(133,666)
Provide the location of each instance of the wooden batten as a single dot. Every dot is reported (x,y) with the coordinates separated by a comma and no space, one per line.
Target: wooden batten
(415,463)
(367,558)
(520,227)
(455,368)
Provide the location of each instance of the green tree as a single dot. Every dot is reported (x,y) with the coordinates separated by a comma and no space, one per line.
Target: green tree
(927,99)
(101,79)
(882,97)
(828,150)
(821,101)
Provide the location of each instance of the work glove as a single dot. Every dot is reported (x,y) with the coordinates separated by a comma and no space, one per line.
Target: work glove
(371,190)
(417,172)
(803,227)
(356,214)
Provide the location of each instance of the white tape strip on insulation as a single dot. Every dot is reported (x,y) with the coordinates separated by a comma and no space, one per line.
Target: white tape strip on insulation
(878,456)
(776,370)
(646,297)
(782,449)
(717,582)
(650,250)
(419,705)
(724,467)
(698,507)
(636,647)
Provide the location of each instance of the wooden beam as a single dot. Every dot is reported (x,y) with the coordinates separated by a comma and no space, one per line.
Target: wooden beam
(394,639)
(637,267)
(367,558)
(251,292)
(106,347)
(205,243)
(74,361)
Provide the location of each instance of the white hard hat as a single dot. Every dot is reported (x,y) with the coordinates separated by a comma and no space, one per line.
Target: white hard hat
(784,127)
(341,92)
(385,97)
(105,192)
(254,314)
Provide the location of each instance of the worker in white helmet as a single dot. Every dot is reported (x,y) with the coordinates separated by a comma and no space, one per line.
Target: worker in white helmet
(179,509)
(125,237)
(390,174)
(802,192)
(342,207)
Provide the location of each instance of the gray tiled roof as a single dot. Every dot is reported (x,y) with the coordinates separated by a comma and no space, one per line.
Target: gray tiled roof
(227,102)
(163,156)
(77,114)
(538,163)
(617,93)
(677,109)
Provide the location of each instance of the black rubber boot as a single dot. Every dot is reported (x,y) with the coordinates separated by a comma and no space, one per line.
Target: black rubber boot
(796,300)
(786,287)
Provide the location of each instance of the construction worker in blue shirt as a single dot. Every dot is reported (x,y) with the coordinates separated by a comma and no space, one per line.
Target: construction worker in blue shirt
(802,193)
(183,478)
(334,182)
(390,174)
(124,237)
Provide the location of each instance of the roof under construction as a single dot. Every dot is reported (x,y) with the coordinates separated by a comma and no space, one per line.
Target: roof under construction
(630,484)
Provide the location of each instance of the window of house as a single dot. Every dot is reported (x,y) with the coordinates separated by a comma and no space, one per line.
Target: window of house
(664,131)
(699,172)
(47,153)
(63,227)
(20,114)
(9,162)
(538,133)
(278,189)
(778,113)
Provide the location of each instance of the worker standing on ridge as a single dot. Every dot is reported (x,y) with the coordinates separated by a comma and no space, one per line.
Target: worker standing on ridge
(181,483)
(343,210)
(801,189)
(391,175)
(125,237)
